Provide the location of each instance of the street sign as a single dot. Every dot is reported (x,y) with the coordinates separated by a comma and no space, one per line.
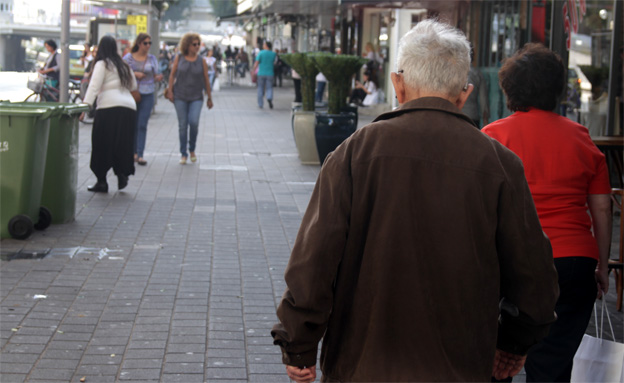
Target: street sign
(140,21)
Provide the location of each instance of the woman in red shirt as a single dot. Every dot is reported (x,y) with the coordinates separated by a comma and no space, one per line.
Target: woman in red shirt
(568,176)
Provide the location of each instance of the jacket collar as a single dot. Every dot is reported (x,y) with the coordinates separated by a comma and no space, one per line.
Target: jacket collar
(425,103)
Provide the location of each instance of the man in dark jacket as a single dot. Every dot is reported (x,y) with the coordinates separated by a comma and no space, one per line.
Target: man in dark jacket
(420,233)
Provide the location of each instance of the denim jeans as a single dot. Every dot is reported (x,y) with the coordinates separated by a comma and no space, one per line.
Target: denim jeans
(241,68)
(144,110)
(320,89)
(188,121)
(211,76)
(265,82)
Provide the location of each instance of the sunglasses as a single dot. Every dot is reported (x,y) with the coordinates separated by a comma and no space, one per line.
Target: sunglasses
(195,44)
(146,43)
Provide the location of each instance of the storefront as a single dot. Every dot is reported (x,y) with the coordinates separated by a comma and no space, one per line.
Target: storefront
(586,33)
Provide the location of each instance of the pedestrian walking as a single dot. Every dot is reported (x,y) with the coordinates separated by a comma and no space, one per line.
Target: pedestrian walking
(147,72)
(264,65)
(321,81)
(112,137)
(211,61)
(568,177)
(187,81)
(278,70)
(416,229)
(243,63)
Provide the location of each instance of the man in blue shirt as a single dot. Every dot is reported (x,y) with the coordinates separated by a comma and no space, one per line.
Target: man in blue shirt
(264,61)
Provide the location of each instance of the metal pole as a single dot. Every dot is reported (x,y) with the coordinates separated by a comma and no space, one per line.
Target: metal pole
(149,18)
(615,67)
(64,75)
(558,37)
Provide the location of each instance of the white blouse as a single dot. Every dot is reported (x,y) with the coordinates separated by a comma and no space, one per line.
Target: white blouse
(373,96)
(105,85)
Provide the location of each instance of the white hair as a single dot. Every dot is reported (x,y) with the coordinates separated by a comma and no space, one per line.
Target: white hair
(434,57)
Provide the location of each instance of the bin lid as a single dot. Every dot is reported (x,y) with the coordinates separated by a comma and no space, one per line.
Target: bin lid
(54,108)
(71,108)
(40,112)
(65,107)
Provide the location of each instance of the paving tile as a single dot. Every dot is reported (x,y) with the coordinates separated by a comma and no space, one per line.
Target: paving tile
(139,374)
(15,368)
(139,353)
(51,374)
(183,378)
(225,373)
(183,368)
(187,357)
(225,353)
(274,378)
(13,378)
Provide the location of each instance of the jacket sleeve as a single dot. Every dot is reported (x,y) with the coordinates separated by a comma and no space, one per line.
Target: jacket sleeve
(529,286)
(307,303)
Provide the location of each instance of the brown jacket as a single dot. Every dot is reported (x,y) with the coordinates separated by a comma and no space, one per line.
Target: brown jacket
(417,227)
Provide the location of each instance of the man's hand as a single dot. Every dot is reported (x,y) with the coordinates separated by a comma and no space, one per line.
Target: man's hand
(301,375)
(507,364)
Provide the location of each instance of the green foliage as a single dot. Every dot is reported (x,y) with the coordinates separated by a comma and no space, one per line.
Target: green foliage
(338,70)
(303,64)
(224,7)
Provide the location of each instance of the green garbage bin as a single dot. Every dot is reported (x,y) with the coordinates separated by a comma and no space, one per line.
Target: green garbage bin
(60,180)
(24,135)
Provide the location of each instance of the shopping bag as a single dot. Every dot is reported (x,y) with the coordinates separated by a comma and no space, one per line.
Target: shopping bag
(254,76)
(215,85)
(598,359)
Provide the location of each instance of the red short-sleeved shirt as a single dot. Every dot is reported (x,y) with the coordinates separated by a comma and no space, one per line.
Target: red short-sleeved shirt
(562,166)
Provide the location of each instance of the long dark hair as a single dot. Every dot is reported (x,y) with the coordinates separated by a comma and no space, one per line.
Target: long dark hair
(107,51)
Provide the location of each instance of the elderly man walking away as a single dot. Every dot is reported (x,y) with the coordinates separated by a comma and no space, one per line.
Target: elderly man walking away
(420,256)
(264,63)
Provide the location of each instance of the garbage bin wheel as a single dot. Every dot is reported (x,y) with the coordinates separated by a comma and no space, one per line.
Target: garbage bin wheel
(45,218)
(21,227)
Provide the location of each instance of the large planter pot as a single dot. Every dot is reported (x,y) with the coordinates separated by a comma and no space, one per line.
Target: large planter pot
(331,130)
(305,140)
(351,109)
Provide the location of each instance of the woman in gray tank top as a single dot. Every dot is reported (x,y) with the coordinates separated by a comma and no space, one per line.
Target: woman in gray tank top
(189,77)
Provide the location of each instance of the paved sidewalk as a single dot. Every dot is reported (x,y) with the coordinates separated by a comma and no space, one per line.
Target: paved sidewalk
(177,277)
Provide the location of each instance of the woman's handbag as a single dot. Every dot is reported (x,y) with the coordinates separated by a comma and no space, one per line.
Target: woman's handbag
(598,359)
(136,95)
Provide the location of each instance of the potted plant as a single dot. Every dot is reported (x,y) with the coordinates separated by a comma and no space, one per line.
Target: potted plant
(340,121)
(304,121)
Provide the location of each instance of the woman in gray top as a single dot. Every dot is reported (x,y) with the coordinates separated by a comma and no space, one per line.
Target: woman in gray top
(186,92)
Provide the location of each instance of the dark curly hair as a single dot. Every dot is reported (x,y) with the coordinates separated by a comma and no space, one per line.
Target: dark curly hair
(533,77)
